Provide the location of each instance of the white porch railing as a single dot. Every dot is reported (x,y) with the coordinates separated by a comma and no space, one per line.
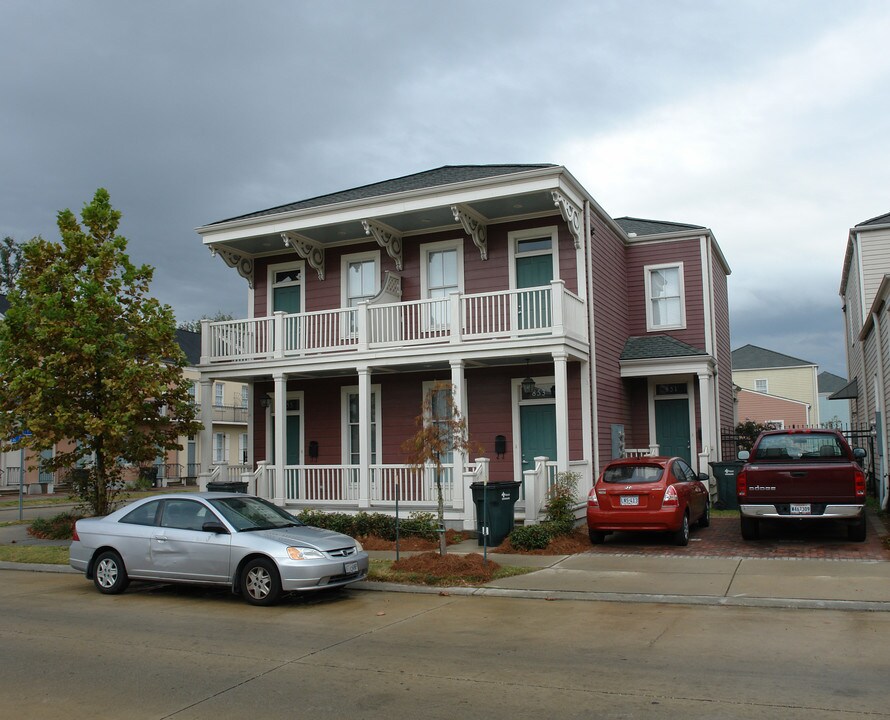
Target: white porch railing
(509,314)
(650,451)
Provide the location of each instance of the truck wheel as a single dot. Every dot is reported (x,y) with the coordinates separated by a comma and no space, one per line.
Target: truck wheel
(681,537)
(750,529)
(857,531)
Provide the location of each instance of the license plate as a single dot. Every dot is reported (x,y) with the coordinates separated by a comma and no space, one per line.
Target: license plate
(630,500)
(350,567)
(800,509)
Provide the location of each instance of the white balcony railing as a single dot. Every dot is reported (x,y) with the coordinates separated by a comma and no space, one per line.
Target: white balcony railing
(510,314)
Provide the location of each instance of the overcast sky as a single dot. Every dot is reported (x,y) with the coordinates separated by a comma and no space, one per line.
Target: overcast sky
(766,121)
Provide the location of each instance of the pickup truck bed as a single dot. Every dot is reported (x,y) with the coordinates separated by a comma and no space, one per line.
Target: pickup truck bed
(802,475)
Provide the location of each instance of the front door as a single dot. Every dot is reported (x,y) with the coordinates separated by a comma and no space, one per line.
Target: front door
(672,428)
(534,271)
(537,432)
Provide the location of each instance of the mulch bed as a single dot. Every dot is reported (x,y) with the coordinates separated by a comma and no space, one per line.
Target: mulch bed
(409,543)
(470,568)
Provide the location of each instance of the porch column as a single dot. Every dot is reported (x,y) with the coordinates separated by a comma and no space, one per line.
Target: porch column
(562,411)
(364,439)
(586,432)
(459,396)
(705,379)
(278,493)
(206,387)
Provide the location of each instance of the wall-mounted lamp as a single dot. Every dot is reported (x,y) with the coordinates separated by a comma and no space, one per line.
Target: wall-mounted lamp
(528,385)
(265,401)
(500,445)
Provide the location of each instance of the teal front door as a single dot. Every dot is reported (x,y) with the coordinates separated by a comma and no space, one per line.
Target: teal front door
(292,439)
(534,271)
(538,433)
(672,428)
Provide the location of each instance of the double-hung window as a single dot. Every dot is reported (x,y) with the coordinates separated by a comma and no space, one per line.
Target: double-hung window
(442,271)
(665,297)
(218,394)
(219,448)
(352,426)
(361,281)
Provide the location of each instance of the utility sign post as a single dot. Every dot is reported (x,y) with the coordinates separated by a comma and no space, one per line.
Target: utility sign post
(16,441)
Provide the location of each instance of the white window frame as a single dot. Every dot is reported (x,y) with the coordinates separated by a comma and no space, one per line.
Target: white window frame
(220,449)
(244,396)
(778,424)
(425,250)
(765,388)
(345,262)
(271,285)
(242,448)
(513,239)
(345,449)
(427,386)
(647,278)
(219,394)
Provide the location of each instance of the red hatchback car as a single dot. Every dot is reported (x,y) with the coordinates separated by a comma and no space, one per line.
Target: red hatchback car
(658,494)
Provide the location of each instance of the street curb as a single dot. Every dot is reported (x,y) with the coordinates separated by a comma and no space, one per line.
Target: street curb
(37,567)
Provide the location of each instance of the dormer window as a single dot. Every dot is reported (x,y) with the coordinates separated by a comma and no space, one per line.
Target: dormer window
(665,299)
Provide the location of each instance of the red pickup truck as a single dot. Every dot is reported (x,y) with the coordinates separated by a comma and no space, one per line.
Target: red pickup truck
(802,475)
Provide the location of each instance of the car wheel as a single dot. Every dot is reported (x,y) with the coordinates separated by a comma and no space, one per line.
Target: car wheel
(857,531)
(705,519)
(109,573)
(681,537)
(750,529)
(260,583)
(596,537)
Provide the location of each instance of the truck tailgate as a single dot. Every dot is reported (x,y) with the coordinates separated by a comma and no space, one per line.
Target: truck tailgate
(816,482)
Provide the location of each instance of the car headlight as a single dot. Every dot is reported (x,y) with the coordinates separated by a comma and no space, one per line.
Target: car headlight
(358,546)
(298,553)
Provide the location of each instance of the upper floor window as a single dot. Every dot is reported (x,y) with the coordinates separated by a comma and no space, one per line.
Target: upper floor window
(218,394)
(665,297)
(244,396)
(761,385)
(442,275)
(361,278)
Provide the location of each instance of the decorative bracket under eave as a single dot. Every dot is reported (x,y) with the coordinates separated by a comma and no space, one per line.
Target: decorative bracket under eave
(306,249)
(571,213)
(242,263)
(386,237)
(474,226)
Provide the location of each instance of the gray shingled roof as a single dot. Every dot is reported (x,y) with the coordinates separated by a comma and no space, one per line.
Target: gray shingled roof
(657,346)
(829,382)
(751,357)
(639,226)
(190,342)
(879,220)
(445,175)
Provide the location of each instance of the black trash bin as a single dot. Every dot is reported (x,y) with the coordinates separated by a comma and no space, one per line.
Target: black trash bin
(726,473)
(230,487)
(494,502)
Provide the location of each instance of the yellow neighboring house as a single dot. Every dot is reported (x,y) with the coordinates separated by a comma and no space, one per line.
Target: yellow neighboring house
(772,373)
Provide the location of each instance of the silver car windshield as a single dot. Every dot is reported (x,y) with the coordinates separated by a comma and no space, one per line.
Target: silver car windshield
(251,513)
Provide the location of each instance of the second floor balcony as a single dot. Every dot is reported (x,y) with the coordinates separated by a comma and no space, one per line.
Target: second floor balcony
(550,312)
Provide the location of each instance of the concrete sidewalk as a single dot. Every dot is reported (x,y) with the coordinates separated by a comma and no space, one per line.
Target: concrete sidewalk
(738,581)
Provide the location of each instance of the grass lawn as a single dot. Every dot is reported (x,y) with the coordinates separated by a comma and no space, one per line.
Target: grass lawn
(40,554)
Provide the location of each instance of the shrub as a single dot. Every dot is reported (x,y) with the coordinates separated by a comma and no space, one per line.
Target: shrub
(531,537)
(561,501)
(58,527)
(383,526)
(420,524)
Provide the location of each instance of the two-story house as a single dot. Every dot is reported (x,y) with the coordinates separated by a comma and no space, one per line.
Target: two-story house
(865,298)
(567,337)
(775,388)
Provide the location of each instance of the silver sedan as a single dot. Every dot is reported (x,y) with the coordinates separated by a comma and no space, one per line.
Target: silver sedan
(241,541)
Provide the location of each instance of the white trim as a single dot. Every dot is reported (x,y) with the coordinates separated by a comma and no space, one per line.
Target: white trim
(270,282)
(513,238)
(765,390)
(689,396)
(708,296)
(647,274)
(517,402)
(345,261)
(345,392)
(270,416)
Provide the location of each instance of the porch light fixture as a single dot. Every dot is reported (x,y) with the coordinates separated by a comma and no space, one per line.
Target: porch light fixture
(528,385)
(265,401)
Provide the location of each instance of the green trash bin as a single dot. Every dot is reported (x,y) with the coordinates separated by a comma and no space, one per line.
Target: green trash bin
(229,487)
(494,502)
(726,473)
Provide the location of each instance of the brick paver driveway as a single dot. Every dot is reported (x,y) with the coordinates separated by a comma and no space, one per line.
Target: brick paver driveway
(778,540)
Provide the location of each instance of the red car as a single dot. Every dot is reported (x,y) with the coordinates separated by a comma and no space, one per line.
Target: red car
(658,494)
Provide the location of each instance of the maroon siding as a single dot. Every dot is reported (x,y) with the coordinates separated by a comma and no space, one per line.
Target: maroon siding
(609,296)
(689,253)
(722,341)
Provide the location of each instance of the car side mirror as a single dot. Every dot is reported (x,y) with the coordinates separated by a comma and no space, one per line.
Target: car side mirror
(744,454)
(859,453)
(704,477)
(215,527)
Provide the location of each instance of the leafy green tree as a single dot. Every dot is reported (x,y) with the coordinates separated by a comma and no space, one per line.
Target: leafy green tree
(441,431)
(10,263)
(748,431)
(87,356)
